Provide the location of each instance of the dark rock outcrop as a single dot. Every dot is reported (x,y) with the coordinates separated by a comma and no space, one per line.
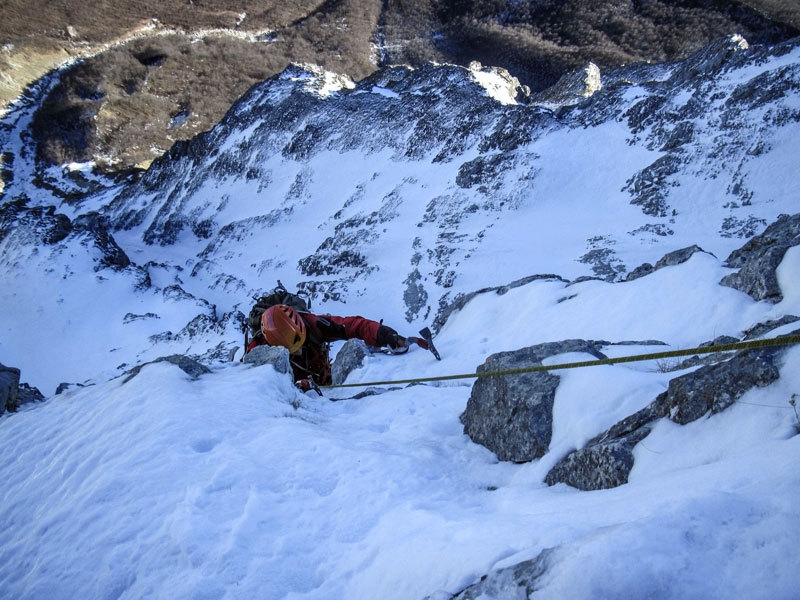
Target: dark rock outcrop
(350,357)
(277,356)
(763,328)
(27,393)
(186,364)
(42,225)
(758,259)
(9,385)
(606,461)
(512,415)
(715,387)
(14,394)
(668,260)
(463,299)
(96,227)
(518,581)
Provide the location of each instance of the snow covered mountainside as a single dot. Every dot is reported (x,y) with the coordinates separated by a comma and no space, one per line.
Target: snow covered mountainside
(442,196)
(391,198)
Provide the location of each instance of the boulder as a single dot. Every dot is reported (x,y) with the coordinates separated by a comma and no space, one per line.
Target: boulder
(678,257)
(641,271)
(758,259)
(27,393)
(14,394)
(606,461)
(277,356)
(66,385)
(190,366)
(349,358)
(715,387)
(512,415)
(763,328)
(518,581)
(9,386)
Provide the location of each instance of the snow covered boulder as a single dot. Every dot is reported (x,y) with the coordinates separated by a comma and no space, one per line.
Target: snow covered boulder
(759,258)
(512,415)
(517,581)
(715,387)
(606,461)
(188,365)
(668,260)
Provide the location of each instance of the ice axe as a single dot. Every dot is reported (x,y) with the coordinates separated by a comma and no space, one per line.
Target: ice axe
(425,342)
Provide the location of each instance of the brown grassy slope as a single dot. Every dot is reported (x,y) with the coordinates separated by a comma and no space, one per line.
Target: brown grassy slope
(30,21)
(538,40)
(126,105)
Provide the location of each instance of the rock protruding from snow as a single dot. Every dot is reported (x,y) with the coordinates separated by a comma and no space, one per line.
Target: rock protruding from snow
(606,461)
(518,581)
(24,225)
(715,387)
(188,365)
(9,384)
(571,89)
(316,80)
(668,260)
(14,394)
(277,356)
(713,58)
(512,415)
(499,83)
(350,357)
(759,258)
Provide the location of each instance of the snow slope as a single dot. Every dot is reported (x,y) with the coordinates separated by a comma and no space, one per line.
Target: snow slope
(235,485)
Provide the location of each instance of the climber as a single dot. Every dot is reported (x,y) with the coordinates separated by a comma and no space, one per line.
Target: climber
(307,338)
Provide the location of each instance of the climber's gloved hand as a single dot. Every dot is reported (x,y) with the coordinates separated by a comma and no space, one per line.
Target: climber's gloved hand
(387,336)
(305,385)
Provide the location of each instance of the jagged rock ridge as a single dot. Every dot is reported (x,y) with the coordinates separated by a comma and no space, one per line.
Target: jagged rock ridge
(437,115)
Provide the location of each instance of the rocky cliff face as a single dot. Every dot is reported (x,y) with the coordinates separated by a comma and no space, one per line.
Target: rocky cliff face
(478,136)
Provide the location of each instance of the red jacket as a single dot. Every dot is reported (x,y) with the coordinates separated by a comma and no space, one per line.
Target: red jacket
(313,362)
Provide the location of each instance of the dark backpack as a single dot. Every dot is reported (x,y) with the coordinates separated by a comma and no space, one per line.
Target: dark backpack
(279,295)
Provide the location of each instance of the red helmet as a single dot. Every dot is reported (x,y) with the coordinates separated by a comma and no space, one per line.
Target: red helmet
(283,326)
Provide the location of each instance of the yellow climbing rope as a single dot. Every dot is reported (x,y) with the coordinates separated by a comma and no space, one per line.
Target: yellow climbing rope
(748,345)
